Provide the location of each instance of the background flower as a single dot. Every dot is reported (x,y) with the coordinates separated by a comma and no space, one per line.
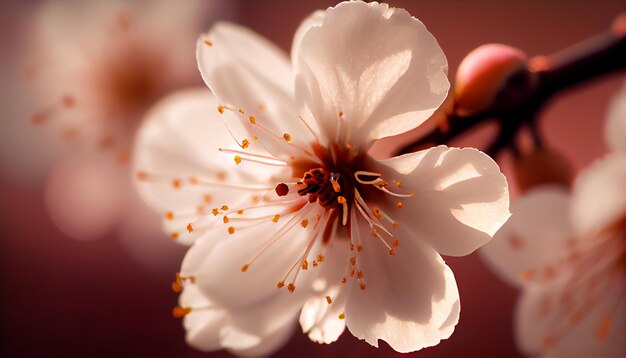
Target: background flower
(101,309)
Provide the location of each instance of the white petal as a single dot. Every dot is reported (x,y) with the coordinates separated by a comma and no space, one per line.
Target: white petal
(220,273)
(599,195)
(203,325)
(615,128)
(411,300)
(180,141)
(537,234)
(247,72)
(320,319)
(315,19)
(460,197)
(376,65)
(541,318)
(256,329)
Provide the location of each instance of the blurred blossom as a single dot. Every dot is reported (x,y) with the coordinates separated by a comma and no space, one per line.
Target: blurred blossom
(567,253)
(95,67)
(287,214)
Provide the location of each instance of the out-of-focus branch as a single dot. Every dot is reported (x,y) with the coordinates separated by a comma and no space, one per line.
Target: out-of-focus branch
(523,93)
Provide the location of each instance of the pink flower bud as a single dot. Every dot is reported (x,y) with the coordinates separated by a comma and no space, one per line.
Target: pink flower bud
(481,75)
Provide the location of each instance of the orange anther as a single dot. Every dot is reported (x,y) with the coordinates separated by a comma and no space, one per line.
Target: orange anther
(245,267)
(68,101)
(215,211)
(176,287)
(305,264)
(176,183)
(193,180)
(342,315)
(281,284)
(287,137)
(208,43)
(362,286)
(359,248)
(329,300)
(304,223)
(141,175)
(399,204)
(179,312)
(189,228)
(276,218)
(240,212)
(237,159)
(174,235)
(341,199)
(353,260)
(231,230)
(291,287)
(224,207)
(169,215)
(252,120)
(207,198)
(220,109)
(245,144)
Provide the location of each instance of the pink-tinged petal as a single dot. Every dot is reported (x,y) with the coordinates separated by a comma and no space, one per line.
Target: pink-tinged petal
(247,72)
(615,128)
(599,195)
(313,20)
(375,68)
(204,323)
(410,299)
(538,233)
(320,314)
(253,326)
(84,196)
(244,268)
(544,323)
(460,197)
(180,167)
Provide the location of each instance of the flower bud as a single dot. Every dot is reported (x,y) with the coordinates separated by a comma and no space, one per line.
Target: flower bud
(483,73)
(541,167)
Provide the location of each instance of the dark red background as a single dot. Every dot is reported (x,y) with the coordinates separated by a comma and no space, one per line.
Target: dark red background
(61,297)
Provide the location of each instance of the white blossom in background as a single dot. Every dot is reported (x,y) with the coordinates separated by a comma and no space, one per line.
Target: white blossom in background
(567,253)
(96,67)
(287,216)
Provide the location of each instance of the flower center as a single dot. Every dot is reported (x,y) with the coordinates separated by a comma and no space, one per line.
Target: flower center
(323,186)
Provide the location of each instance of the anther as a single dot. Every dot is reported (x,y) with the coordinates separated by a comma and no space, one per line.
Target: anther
(239,212)
(305,264)
(220,109)
(208,43)
(226,219)
(282,189)
(176,183)
(252,120)
(304,223)
(180,312)
(215,211)
(245,144)
(359,248)
(362,286)
(399,204)
(342,315)
(224,207)
(237,159)
(281,284)
(174,235)
(276,218)
(169,215)
(287,137)
(291,287)
(231,230)
(245,267)
(68,101)
(189,228)
(353,260)
(329,299)
(176,287)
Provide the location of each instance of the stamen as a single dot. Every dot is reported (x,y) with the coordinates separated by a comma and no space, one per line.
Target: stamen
(208,43)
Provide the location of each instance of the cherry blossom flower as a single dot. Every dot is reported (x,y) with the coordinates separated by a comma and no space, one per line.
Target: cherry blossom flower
(567,253)
(288,216)
(96,67)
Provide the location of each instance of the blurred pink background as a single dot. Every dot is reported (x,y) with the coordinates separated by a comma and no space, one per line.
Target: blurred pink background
(61,297)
